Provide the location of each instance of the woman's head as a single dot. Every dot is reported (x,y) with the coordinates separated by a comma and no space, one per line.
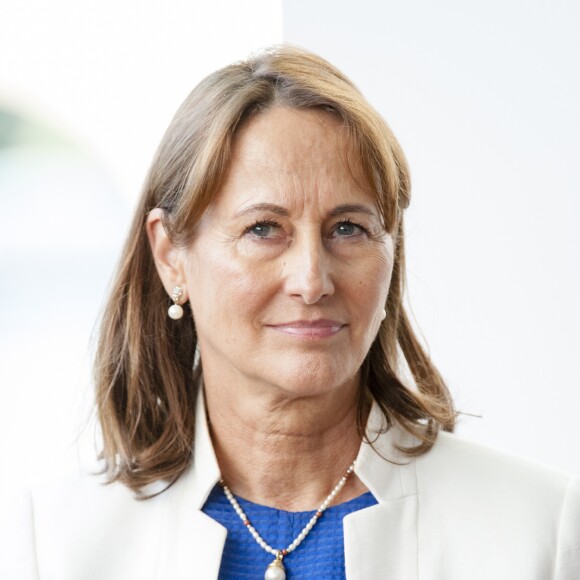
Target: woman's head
(320,153)
(288,271)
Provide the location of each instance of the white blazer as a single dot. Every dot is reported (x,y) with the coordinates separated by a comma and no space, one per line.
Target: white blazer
(460,512)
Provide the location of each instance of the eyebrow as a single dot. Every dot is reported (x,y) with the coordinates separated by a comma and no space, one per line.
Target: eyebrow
(277,209)
(281,211)
(352,208)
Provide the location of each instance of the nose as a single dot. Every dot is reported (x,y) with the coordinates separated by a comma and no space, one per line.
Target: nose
(308,268)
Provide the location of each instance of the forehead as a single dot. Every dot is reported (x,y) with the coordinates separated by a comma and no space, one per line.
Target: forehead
(291,138)
(294,153)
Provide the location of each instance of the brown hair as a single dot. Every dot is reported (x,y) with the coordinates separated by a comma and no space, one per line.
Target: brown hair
(146,379)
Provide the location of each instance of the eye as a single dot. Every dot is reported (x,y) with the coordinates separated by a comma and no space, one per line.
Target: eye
(263,229)
(348,229)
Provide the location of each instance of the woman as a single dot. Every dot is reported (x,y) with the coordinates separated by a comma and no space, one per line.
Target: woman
(260,389)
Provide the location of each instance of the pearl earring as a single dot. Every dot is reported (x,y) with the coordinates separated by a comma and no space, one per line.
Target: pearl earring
(175,310)
(384,314)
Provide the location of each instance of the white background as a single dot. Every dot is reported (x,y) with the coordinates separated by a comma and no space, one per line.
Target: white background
(483,98)
(108,76)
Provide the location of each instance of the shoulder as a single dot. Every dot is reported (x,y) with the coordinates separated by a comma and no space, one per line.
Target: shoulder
(470,490)
(80,494)
(87,503)
(67,526)
(468,467)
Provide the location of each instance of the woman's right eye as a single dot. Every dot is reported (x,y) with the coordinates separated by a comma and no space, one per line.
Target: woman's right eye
(264,230)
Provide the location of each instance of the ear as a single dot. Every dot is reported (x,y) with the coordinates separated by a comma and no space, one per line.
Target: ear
(169,260)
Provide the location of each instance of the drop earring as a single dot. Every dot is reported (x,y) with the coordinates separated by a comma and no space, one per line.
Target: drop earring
(175,310)
(384,314)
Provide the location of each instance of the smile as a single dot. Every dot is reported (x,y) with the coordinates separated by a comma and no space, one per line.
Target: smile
(309,328)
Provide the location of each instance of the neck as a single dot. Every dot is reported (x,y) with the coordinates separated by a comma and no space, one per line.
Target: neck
(285,452)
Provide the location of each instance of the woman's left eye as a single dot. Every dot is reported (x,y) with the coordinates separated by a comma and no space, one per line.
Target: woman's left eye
(347,229)
(262,230)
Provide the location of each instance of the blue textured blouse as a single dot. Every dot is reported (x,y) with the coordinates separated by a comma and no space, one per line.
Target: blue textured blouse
(320,555)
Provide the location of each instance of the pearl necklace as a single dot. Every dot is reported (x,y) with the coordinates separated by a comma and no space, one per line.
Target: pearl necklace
(276,570)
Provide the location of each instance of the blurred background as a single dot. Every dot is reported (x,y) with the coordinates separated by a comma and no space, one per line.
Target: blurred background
(483,98)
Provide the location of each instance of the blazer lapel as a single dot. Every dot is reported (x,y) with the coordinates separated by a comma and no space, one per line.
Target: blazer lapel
(192,542)
(381,541)
(192,546)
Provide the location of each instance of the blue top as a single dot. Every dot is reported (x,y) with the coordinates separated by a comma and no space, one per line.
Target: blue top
(320,555)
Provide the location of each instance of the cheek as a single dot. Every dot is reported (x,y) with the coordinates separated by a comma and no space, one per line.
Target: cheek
(371,279)
(224,287)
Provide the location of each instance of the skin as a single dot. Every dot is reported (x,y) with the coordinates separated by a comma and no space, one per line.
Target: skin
(287,278)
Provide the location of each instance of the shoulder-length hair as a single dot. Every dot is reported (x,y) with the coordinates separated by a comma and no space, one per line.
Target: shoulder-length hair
(146,371)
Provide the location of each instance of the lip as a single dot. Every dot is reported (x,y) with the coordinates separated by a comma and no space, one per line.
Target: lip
(322,328)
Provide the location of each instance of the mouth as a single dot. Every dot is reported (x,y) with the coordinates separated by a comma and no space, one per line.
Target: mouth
(309,328)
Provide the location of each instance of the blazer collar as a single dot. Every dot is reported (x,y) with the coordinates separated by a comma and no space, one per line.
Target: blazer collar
(192,542)
(380,465)
(195,484)
(381,541)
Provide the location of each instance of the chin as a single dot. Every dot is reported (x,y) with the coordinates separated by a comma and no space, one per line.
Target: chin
(312,378)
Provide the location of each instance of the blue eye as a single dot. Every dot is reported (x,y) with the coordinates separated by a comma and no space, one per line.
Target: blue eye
(261,230)
(347,228)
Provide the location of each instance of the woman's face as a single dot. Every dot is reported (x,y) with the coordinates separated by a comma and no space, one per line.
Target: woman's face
(289,270)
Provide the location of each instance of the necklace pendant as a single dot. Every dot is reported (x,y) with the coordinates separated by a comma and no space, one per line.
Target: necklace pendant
(275,571)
